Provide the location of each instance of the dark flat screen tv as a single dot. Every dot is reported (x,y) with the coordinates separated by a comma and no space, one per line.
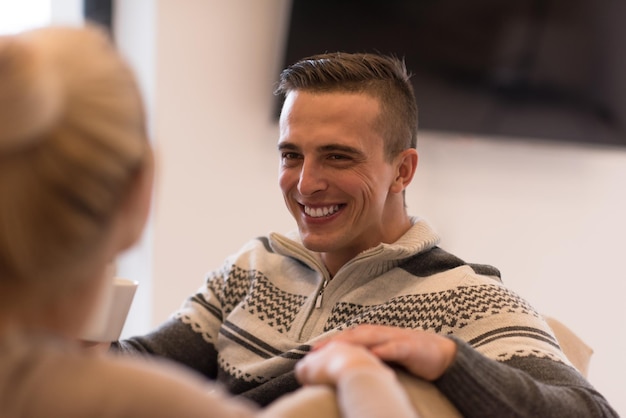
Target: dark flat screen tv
(537,69)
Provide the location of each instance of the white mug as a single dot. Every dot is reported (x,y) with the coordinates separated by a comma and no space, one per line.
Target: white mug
(109,315)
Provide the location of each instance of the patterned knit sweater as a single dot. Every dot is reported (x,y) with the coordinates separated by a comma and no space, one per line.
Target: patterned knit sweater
(258,315)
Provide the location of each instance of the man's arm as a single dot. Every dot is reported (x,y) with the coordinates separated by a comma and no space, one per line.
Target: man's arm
(522,387)
(175,341)
(478,386)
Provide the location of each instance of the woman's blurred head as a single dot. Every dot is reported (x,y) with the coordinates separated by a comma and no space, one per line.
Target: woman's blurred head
(73,147)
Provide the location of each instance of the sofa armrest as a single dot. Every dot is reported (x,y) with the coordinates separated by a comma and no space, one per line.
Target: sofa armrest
(321,401)
(575,349)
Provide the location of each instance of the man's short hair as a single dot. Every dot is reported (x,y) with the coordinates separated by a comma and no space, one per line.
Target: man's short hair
(383,77)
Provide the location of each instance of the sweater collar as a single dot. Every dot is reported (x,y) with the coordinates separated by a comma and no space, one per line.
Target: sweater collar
(373,261)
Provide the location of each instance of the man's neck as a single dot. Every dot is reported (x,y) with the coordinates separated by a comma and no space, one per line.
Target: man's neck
(334,261)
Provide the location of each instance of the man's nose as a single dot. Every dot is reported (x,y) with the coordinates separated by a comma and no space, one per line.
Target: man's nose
(312,179)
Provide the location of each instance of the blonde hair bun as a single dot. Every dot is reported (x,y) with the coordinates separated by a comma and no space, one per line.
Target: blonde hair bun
(30,95)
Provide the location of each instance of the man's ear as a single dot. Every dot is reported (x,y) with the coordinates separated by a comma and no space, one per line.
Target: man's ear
(406,164)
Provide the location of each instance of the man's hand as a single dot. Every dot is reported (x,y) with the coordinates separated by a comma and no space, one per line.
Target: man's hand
(425,354)
(329,363)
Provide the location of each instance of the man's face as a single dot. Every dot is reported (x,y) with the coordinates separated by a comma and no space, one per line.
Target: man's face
(334,176)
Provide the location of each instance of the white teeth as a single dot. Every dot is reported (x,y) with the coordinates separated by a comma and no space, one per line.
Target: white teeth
(319,212)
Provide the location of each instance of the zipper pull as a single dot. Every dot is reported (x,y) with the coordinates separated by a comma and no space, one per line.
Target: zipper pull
(320,295)
(318,301)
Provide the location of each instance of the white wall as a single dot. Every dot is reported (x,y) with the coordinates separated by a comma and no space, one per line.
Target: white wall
(135,29)
(550,216)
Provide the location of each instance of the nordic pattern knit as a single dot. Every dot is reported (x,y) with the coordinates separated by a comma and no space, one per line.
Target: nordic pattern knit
(274,298)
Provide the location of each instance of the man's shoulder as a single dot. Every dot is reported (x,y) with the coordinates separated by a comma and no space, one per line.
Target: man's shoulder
(437,260)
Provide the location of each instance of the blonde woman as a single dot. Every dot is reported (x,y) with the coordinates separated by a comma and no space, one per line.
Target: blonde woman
(76,172)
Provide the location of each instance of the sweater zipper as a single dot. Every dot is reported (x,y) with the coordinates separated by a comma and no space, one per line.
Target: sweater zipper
(320,295)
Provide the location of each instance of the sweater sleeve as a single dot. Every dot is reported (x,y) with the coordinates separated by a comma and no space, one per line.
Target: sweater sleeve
(521,387)
(176,341)
(190,335)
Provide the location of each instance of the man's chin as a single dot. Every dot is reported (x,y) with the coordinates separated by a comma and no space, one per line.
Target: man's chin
(316,244)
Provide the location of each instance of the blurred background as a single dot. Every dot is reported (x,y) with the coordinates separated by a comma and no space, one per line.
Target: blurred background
(522,160)
(525,68)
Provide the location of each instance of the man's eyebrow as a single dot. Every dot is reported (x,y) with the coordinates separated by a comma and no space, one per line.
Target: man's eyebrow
(286,146)
(342,148)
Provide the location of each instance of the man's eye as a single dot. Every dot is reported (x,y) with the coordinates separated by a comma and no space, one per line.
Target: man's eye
(290,159)
(289,155)
(338,157)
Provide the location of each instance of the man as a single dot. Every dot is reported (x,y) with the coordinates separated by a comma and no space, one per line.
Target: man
(347,147)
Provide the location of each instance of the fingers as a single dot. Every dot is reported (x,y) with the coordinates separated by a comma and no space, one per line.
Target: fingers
(366,335)
(380,338)
(328,364)
(427,355)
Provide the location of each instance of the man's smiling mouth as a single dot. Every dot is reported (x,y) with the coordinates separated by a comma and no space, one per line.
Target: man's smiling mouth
(322,211)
